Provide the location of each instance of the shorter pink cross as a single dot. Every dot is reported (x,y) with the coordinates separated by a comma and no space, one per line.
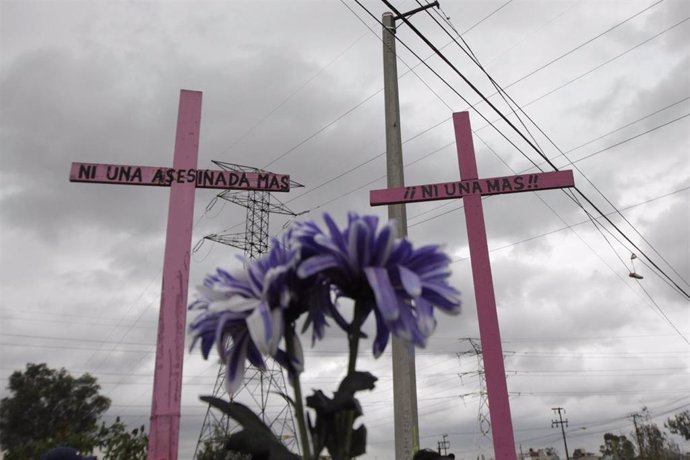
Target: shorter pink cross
(470,188)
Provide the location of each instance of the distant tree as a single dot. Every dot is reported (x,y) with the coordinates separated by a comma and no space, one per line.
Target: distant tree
(48,408)
(617,447)
(680,424)
(119,444)
(653,441)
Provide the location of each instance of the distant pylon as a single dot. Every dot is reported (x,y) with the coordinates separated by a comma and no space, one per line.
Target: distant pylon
(483,421)
(483,417)
(261,389)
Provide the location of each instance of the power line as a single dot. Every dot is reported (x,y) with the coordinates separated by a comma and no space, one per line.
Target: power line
(577,147)
(585,43)
(377,92)
(521,135)
(673,104)
(381,154)
(504,94)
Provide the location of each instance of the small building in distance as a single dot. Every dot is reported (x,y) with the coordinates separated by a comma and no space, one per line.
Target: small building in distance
(548,453)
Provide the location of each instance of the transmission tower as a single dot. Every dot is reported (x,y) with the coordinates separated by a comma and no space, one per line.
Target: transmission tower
(483,420)
(483,416)
(260,389)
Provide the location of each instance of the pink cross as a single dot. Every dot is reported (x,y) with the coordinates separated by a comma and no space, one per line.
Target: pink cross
(183,179)
(470,188)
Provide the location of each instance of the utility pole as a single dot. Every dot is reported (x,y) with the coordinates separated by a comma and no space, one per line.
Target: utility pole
(404,376)
(561,423)
(637,435)
(445,444)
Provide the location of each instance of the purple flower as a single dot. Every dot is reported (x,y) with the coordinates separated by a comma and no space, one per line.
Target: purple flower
(247,314)
(252,307)
(245,311)
(400,284)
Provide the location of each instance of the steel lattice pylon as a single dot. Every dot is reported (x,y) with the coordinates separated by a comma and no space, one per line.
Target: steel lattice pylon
(483,420)
(483,417)
(261,389)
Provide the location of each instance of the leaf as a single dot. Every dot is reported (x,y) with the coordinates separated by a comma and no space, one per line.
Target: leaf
(260,448)
(240,413)
(358,444)
(321,403)
(285,397)
(334,415)
(357,381)
(245,443)
(256,439)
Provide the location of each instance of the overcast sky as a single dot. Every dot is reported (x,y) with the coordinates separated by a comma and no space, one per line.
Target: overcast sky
(295,86)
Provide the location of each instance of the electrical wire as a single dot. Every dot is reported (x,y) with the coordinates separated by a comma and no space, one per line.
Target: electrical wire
(508,99)
(518,132)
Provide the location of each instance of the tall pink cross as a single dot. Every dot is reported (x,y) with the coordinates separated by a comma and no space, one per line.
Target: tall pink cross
(470,188)
(183,179)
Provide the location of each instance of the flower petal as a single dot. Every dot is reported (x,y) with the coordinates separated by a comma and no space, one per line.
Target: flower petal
(316,264)
(261,328)
(254,356)
(357,247)
(382,334)
(336,235)
(235,365)
(277,328)
(384,245)
(425,316)
(410,281)
(384,293)
(443,296)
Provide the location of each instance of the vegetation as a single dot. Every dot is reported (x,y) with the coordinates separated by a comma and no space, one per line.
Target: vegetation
(617,447)
(213,448)
(117,443)
(648,441)
(48,408)
(680,424)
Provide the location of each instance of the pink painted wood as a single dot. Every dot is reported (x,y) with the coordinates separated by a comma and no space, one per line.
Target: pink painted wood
(183,179)
(496,387)
(167,380)
(164,177)
(489,186)
(471,189)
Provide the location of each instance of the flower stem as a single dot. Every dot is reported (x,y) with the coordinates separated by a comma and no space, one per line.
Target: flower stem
(353,338)
(297,389)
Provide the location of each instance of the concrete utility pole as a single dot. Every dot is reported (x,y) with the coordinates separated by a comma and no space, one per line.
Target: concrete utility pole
(561,423)
(404,377)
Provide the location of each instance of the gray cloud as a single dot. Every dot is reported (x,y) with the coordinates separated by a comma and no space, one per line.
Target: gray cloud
(99,83)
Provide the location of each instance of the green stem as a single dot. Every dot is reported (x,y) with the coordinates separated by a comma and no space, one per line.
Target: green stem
(297,388)
(353,339)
